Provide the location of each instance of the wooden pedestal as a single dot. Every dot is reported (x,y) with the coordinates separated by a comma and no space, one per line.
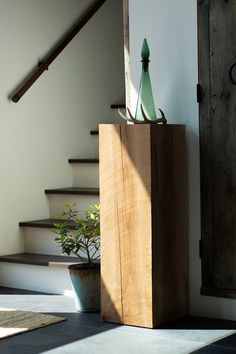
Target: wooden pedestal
(143,195)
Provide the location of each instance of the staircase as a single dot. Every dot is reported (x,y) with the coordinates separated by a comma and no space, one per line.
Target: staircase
(42,267)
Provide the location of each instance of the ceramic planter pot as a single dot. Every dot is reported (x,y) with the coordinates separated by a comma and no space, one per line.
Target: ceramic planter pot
(86,284)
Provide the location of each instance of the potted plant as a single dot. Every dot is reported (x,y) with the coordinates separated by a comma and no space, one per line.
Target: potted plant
(83,240)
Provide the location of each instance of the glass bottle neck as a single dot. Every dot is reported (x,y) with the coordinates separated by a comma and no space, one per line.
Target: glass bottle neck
(145,65)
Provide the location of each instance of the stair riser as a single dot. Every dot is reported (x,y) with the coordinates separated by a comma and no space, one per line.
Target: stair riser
(36,278)
(85,175)
(57,202)
(41,241)
(93,148)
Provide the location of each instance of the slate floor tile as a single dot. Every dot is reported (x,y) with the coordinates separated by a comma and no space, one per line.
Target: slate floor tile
(87,334)
(201,336)
(116,342)
(229,341)
(214,349)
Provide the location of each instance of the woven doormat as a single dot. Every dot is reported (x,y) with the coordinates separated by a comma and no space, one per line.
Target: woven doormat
(13,322)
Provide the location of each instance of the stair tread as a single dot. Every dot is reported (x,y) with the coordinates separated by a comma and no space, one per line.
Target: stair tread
(83,161)
(40,259)
(118,105)
(46,223)
(73,190)
(93,132)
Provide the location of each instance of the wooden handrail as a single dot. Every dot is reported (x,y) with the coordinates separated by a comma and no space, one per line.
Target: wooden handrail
(57,50)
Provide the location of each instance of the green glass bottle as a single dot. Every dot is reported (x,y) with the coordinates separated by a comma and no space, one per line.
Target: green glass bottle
(145,96)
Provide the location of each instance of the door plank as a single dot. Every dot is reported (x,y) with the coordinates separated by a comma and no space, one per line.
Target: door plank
(217,52)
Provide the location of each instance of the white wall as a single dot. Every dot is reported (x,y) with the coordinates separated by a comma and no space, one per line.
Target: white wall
(170,27)
(51,123)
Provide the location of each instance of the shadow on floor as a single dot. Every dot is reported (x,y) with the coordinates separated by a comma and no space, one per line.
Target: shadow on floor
(183,336)
(226,345)
(192,322)
(77,327)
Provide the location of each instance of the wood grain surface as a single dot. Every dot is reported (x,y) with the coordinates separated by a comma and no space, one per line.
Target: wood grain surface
(134,201)
(143,223)
(169,223)
(111,286)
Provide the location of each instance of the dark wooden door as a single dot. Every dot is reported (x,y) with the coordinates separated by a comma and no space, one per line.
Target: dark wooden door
(217,106)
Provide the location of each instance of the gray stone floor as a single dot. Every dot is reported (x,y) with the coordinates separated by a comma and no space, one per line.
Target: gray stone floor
(87,334)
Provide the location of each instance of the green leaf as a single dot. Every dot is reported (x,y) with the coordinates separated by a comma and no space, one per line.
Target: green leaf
(85,238)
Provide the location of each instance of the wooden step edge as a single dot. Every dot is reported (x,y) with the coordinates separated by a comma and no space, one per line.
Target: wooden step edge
(40,260)
(46,223)
(92,161)
(117,106)
(73,191)
(94,132)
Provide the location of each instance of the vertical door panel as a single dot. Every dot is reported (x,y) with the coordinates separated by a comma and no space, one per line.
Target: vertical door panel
(217,53)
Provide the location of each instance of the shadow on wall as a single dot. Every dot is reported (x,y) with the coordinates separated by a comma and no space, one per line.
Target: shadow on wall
(43,64)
